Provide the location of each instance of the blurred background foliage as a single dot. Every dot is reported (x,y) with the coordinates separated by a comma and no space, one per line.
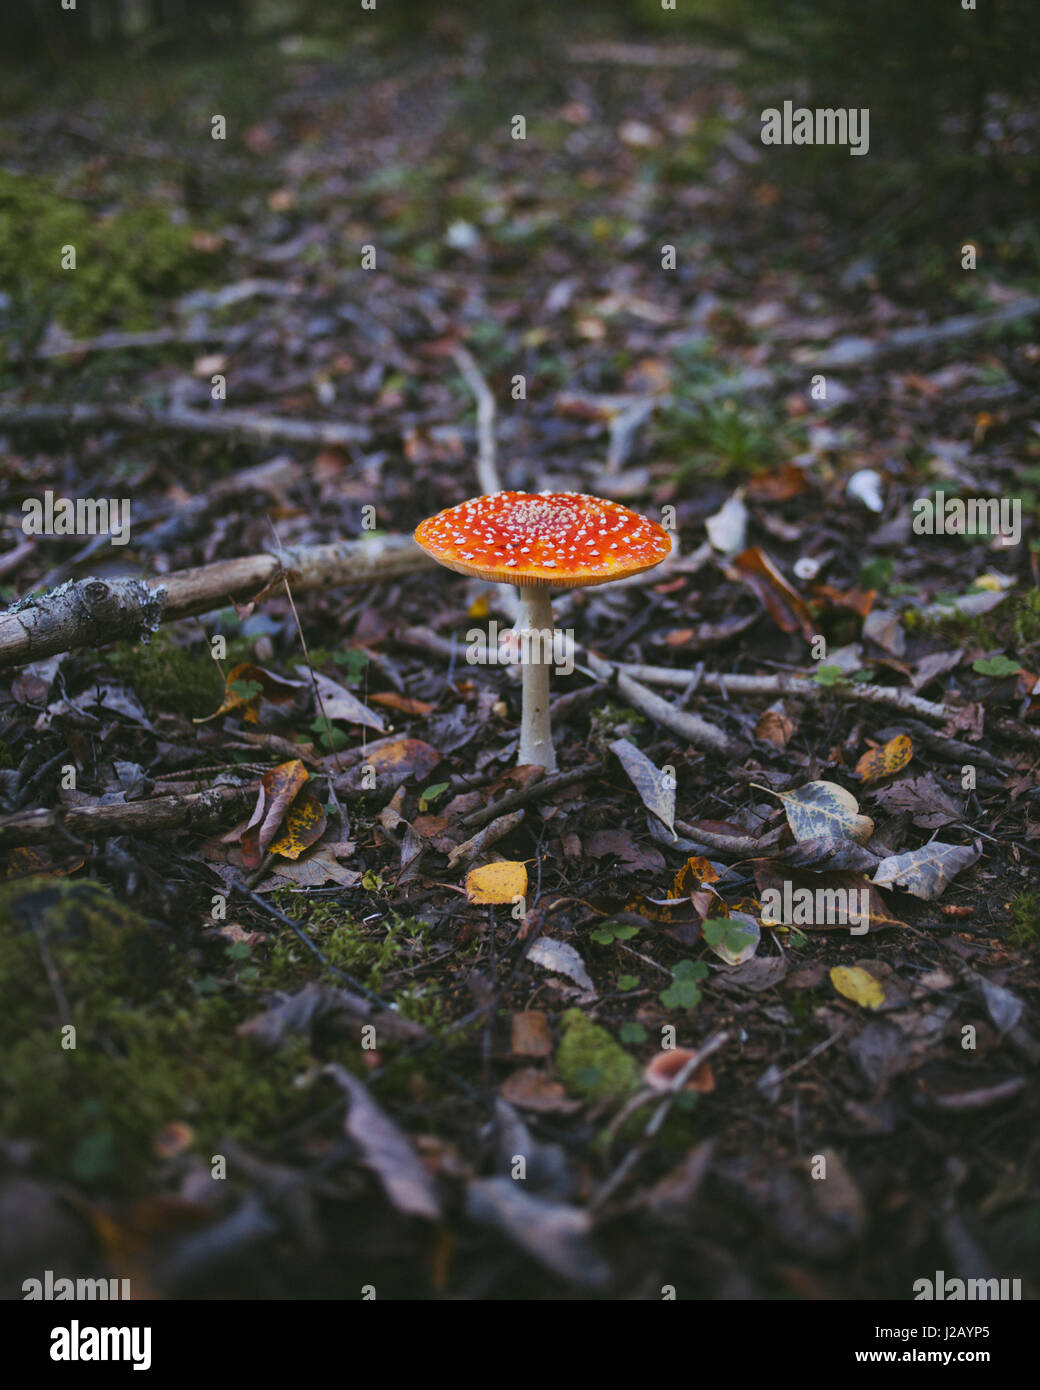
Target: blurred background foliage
(952,91)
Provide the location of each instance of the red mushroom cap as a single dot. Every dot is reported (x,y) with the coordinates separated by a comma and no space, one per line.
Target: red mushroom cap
(543,538)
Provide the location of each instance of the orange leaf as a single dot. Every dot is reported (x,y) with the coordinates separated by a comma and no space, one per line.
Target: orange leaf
(884,761)
(404,704)
(783,603)
(774,727)
(34,859)
(247,677)
(278,789)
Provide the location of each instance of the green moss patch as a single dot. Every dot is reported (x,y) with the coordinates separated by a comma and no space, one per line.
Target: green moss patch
(591,1064)
(148,1048)
(167,677)
(123,263)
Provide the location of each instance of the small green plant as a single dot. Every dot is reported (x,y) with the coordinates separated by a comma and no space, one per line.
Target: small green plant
(876,573)
(124,264)
(632,1033)
(608,722)
(430,795)
(610,932)
(331,738)
(829,675)
(683,992)
(996,666)
(627,982)
(354,663)
(722,437)
(721,931)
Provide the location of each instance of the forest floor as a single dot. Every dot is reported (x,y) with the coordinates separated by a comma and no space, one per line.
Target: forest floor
(862,1108)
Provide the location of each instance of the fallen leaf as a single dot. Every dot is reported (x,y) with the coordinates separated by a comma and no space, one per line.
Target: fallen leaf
(392,764)
(562,959)
(502,882)
(926,799)
(310,871)
(404,704)
(859,985)
(317,1004)
(304,825)
(621,844)
(828,852)
(1004,1007)
(892,757)
(780,485)
(727,529)
(386,1150)
(244,687)
(885,627)
(338,703)
(278,789)
(771,875)
(695,872)
(925,872)
(656,789)
(774,727)
(865,485)
(824,808)
(557,1236)
(530,1034)
(36,860)
(783,603)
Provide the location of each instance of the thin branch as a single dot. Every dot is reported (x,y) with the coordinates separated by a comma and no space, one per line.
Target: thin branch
(886,697)
(536,790)
(179,419)
(189,812)
(487,466)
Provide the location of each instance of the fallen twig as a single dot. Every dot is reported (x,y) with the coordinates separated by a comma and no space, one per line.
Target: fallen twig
(680,722)
(91,612)
(248,424)
(538,789)
(887,697)
(188,812)
(484,839)
(487,466)
(747,846)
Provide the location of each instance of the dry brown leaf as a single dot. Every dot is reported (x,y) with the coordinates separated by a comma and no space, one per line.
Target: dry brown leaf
(530,1034)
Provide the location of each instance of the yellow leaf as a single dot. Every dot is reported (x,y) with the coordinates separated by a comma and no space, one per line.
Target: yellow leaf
(479,608)
(858,985)
(883,762)
(304,824)
(504,882)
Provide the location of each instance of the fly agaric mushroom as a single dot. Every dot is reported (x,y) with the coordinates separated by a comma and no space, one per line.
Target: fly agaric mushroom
(537,541)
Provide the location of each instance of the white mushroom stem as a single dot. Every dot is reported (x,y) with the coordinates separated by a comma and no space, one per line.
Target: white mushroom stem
(535,618)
